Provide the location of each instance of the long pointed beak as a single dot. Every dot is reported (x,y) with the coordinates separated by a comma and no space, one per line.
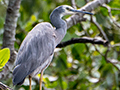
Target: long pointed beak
(73,10)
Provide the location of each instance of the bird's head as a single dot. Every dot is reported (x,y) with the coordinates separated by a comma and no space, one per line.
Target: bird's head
(61,11)
(68,10)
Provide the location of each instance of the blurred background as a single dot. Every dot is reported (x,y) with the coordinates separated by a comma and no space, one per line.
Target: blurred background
(78,66)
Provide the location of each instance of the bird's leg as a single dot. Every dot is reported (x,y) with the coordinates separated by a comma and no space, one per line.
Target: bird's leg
(30,82)
(40,81)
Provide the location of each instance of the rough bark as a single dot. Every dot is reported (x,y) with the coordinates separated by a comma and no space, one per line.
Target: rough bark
(9,34)
(74,19)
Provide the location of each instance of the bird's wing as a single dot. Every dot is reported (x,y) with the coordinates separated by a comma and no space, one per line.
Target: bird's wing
(37,47)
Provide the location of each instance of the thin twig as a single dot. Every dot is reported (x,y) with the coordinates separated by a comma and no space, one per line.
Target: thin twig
(4,87)
(93,44)
(110,14)
(114,63)
(99,28)
(115,9)
(115,45)
(73,4)
(98,51)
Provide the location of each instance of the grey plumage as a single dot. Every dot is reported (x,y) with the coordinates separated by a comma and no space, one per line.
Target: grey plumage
(37,49)
(43,40)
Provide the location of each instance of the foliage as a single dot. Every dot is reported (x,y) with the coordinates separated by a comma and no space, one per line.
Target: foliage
(78,66)
(4,57)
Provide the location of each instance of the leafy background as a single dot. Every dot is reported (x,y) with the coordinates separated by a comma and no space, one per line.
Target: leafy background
(78,66)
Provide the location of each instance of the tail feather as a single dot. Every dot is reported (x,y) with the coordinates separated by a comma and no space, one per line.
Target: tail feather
(19,74)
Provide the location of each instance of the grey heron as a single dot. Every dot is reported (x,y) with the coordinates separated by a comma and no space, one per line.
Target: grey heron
(37,49)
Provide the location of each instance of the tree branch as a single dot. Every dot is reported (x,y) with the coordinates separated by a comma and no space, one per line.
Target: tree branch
(10,24)
(83,40)
(110,15)
(114,62)
(99,28)
(74,19)
(73,4)
(9,34)
(4,87)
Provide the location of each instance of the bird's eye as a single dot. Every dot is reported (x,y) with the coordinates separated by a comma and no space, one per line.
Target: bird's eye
(68,8)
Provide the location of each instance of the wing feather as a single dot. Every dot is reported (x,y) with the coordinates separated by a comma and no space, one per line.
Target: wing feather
(36,48)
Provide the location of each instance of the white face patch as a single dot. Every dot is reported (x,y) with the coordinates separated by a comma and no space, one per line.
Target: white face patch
(67,10)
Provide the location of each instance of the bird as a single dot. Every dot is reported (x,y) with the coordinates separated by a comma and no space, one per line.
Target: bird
(37,49)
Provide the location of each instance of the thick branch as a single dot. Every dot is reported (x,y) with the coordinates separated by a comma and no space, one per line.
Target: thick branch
(10,24)
(73,4)
(74,19)
(83,40)
(9,34)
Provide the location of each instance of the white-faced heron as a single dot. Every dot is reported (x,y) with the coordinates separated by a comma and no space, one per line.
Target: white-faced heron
(37,49)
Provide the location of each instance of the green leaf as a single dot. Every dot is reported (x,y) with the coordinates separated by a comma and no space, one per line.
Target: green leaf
(1,69)
(78,50)
(33,18)
(4,56)
(49,84)
(64,85)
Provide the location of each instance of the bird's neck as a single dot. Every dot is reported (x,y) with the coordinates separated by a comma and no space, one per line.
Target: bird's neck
(57,21)
(61,26)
